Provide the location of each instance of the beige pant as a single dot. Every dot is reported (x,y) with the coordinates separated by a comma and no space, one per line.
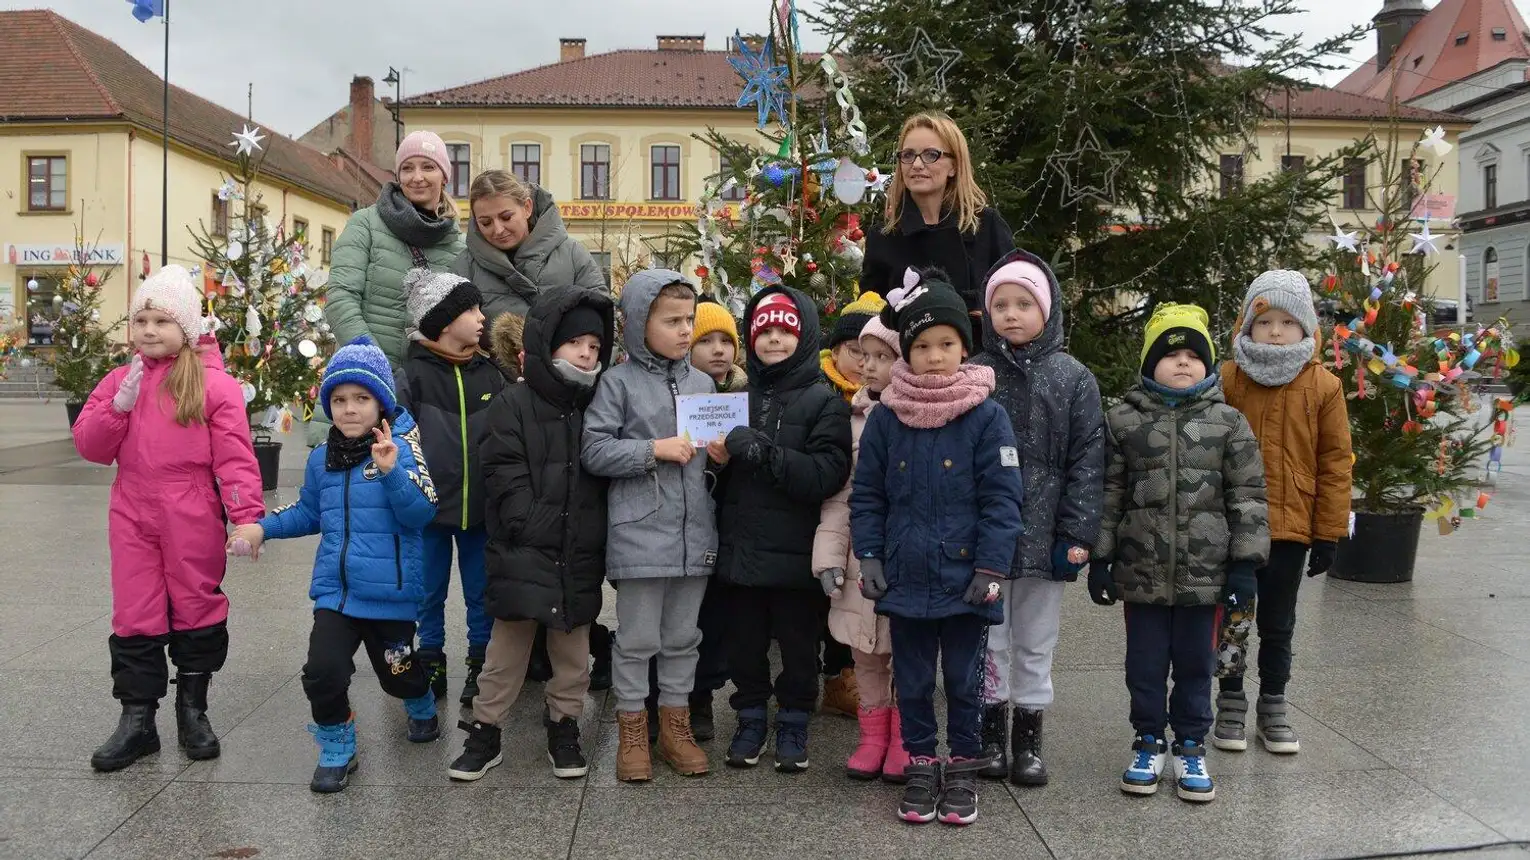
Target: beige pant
(504,670)
(873,676)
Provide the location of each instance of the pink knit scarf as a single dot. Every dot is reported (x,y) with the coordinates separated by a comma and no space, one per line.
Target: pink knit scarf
(930,400)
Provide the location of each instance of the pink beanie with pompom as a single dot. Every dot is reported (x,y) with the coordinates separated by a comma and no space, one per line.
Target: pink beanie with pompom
(1026,274)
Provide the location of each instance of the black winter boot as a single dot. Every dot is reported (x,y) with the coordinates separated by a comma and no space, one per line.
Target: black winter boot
(435,669)
(470,686)
(136,736)
(994,718)
(1025,764)
(703,727)
(193,730)
(600,649)
(539,666)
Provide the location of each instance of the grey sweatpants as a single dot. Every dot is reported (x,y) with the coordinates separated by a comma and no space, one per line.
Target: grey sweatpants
(1019,665)
(656,616)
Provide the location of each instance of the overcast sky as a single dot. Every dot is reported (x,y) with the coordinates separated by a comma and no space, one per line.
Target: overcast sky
(301,54)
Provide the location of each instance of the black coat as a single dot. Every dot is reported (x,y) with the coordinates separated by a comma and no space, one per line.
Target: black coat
(437,392)
(546,515)
(966,257)
(768,514)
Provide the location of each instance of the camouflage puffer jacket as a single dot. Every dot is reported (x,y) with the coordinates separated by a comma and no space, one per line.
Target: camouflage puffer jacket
(1184,497)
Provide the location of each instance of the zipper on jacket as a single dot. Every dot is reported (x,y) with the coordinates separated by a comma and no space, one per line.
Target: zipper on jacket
(462,417)
(685,501)
(571,472)
(345,541)
(398,560)
(1174,530)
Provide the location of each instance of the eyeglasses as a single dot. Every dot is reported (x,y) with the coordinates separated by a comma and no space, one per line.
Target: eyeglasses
(928,156)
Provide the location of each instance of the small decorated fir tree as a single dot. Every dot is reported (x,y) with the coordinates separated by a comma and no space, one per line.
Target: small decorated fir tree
(83,349)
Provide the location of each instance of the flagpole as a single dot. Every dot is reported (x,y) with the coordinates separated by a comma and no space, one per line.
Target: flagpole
(164,192)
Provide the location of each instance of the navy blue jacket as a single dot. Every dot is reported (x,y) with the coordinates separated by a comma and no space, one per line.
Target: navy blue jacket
(934,505)
(368,564)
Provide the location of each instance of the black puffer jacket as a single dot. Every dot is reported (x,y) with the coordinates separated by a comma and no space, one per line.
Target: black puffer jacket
(965,257)
(546,515)
(1054,403)
(768,515)
(450,404)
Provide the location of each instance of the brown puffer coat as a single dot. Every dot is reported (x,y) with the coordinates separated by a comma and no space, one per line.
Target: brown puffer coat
(1303,433)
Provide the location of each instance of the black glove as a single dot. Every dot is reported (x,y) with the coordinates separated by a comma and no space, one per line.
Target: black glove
(1102,586)
(873,583)
(1242,587)
(1321,559)
(831,580)
(1062,569)
(983,589)
(750,445)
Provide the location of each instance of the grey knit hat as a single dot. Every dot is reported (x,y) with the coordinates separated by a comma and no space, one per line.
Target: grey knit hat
(1280,289)
(436,299)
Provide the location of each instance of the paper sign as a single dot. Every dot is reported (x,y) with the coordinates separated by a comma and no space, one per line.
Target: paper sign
(703,418)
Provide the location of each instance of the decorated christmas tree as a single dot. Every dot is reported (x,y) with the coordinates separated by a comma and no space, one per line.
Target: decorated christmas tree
(800,204)
(266,306)
(83,349)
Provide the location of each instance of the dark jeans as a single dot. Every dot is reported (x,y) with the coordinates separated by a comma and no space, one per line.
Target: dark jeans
(1181,639)
(958,643)
(791,616)
(711,657)
(139,673)
(836,654)
(1275,616)
(332,644)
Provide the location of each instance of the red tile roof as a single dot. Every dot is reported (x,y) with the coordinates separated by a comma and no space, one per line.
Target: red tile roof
(629,78)
(1326,103)
(52,69)
(1429,57)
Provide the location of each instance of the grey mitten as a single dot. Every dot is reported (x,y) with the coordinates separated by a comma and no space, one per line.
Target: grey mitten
(831,580)
(873,582)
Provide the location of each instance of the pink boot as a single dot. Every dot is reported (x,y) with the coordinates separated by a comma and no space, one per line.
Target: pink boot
(866,761)
(897,757)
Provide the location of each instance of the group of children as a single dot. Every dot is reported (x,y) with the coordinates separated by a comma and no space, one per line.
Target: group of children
(896,503)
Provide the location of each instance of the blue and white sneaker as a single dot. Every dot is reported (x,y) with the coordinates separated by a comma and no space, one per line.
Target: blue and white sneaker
(1148,758)
(1193,783)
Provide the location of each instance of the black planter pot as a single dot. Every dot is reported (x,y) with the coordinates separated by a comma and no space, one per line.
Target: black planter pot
(269,455)
(74,410)
(1383,548)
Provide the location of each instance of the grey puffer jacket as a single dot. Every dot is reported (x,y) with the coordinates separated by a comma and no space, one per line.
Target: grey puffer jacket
(1053,402)
(549,257)
(663,521)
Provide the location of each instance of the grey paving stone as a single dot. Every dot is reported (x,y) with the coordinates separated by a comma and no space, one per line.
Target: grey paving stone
(44,819)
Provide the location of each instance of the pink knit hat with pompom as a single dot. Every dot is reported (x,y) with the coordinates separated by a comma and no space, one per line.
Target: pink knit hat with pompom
(1025,274)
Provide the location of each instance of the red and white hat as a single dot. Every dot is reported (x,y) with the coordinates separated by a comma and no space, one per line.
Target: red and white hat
(776,310)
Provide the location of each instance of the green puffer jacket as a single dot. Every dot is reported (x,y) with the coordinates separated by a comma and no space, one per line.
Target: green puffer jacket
(1184,497)
(366,281)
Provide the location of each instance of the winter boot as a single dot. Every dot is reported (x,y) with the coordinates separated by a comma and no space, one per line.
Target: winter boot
(337,756)
(677,746)
(959,791)
(1149,754)
(563,748)
(1025,764)
(632,761)
(136,736)
(897,756)
(434,662)
(539,667)
(193,730)
(479,752)
(841,694)
(995,761)
(791,741)
(424,726)
(922,792)
(1228,735)
(748,739)
(703,726)
(1193,783)
(1275,727)
(600,649)
(871,752)
(470,686)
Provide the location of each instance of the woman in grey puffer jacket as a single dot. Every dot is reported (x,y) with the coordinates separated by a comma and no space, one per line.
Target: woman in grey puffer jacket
(1054,404)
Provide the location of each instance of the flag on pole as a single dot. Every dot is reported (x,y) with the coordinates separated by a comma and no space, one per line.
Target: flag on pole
(143,10)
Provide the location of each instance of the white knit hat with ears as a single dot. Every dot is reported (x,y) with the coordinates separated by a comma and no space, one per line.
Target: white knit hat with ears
(173,291)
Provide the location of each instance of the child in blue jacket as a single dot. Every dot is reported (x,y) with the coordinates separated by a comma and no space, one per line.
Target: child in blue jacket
(367,493)
(935,519)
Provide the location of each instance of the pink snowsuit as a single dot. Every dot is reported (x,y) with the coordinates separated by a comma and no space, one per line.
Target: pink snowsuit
(173,485)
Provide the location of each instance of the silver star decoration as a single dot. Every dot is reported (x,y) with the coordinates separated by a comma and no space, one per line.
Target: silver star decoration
(247,141)
(1423,241)
(1347,241)
(924,54)
(1088,147)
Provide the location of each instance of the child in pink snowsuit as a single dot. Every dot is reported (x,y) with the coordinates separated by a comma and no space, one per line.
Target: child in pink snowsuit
(174,423)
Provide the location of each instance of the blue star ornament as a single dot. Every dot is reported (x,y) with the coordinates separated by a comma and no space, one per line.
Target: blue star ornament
(763,80)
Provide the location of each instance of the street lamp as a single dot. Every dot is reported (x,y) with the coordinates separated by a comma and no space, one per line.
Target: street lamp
(396,78)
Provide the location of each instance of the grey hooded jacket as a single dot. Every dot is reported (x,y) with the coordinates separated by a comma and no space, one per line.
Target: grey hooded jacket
(549,257)
(651,503)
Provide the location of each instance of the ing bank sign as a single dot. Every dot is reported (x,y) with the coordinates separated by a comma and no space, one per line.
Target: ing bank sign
(64,255)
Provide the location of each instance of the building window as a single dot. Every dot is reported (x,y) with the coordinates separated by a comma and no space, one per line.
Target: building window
(47,183)
(1490,275)
(40,313)
(603,260)
(1490,186)
(666,172)
(1293,163)
(257,217)
(739,190)
(326,245)
(595,172)
(526,162)
(461,157)
(1354,183)
(1500,34)
(219,216)
(300,234)
(1232,174)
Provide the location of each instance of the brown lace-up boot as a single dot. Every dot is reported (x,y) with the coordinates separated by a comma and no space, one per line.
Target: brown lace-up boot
(676,744)
(632,761)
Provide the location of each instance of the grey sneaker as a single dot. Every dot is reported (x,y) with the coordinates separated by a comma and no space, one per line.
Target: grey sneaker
(1275,728)
(1232,709)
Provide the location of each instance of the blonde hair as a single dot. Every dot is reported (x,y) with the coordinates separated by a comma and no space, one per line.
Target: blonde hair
(185,384)
(963,196)
(498,183)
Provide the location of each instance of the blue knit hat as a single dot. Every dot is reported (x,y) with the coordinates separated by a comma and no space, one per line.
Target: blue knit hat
(360,362)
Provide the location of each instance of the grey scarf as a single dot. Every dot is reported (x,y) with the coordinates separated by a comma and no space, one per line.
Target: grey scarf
(1270,365)
(410,225)
(574,376)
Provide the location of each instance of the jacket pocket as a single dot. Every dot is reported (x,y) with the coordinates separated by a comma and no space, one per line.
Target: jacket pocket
(957,558)
(398,560)
(635,500)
